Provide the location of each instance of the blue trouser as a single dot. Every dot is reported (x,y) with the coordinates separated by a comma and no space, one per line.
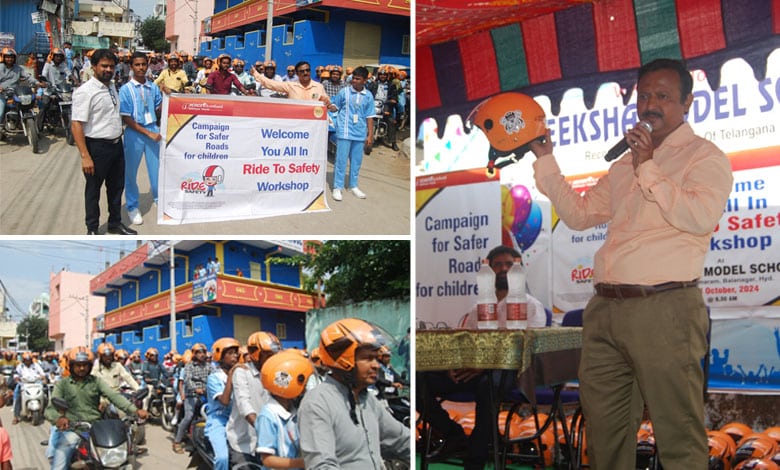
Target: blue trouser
(352,151)
(217,433)
(136,146)
(65,443)
(17,401)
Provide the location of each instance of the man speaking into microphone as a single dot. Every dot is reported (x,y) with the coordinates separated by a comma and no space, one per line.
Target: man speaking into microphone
(645,330)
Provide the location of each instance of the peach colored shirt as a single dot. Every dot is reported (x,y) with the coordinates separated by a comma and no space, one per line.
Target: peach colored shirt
(6,455)
(661,217)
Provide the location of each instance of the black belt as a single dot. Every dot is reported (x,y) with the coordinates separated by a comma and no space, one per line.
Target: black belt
(627,291)
(106,141)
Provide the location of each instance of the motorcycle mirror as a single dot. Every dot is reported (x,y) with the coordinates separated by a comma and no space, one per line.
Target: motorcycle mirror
(60,404)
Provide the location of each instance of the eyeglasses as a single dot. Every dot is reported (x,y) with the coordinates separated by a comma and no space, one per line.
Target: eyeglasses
(304,71)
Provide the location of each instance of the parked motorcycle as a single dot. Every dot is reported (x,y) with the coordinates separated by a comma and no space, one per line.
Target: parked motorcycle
(57,115)
(20,115)
(33,401)
(380,125)
(106,443)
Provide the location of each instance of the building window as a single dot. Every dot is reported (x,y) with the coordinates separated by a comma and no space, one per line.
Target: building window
(405,46)
(118,338)
(281,330)
(240,42)
(255,270)
(221,42)
(138,336)
(289,34)
(165,330)
(187,327)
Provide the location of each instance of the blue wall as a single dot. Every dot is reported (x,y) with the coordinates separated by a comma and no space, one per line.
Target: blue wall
(316,42)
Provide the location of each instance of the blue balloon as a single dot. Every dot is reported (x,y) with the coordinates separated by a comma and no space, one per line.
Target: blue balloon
(526,235)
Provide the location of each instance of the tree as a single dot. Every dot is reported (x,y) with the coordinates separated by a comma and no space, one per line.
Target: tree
(357,270)
(35,329)
(153,35)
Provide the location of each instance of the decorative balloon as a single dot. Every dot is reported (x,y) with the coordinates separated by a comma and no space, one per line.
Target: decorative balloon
(525,235)
(521,217)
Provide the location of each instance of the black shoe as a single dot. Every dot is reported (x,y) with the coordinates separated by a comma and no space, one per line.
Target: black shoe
(141,450)
(92,232)
(394,146)
(121,229)
(453,447)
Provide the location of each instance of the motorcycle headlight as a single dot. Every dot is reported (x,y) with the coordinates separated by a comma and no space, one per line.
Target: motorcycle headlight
(112,458)
(67,96)
(25,99)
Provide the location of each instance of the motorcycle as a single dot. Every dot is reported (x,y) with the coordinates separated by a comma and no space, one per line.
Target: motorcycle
(380,125)
(106,443)
(168,406)
(7,384)
(202,453)
(33,401)
(58,113)
(20,115)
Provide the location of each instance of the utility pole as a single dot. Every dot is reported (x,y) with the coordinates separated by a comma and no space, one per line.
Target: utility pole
(87,338)
(172,323)
(269,33)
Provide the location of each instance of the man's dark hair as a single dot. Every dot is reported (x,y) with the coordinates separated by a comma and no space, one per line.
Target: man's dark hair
(686,81)
(501,250)
(139,55)
(360,72)
(299,64)
(101,54)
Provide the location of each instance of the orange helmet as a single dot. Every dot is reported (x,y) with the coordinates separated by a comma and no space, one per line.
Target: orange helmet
(172,56)
(774,433)
(264,342)
(755,446)
(223,56)
(757,464)
(340,340)
(220,345)
(120,355)
(736,430)
(187,356)
(80,354)
(105,349)
(270,63)
(722,450)
(8,51)
(151,352)
(510,121)
(285,374)
(27,356)
(384,351)
(314,355)
(325,74)
(528,429)
(176,358)
(198,347)
(349,70)
(238,61)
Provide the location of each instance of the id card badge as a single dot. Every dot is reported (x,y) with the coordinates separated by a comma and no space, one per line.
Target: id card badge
(148,118)
(354,118)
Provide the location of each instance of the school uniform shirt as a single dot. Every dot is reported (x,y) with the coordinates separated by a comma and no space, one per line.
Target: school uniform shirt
(249,396)
(97,107)
(355,107)
(330,439)
(277,431)
(216,412)
(139,101)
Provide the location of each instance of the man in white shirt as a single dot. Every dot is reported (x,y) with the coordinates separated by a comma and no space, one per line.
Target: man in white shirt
(26,371)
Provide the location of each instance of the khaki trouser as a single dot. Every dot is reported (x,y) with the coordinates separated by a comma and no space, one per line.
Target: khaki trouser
(645,350)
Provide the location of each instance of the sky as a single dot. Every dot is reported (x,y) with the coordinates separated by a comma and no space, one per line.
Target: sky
(26,265)
(143,8)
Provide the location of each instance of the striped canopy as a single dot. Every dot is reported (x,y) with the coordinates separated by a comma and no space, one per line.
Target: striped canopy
(581,46)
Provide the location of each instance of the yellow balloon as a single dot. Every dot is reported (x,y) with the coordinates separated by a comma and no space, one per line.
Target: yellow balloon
(507,209)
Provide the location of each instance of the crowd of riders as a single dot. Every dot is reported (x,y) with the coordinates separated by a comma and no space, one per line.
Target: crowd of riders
(274,407)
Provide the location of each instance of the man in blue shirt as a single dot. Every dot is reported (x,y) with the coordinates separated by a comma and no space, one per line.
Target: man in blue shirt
(354,131)
(139,100)
(219,388)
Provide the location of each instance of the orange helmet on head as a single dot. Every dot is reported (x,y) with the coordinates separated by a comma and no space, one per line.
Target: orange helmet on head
(151,352)
(120,355)
(238,61)
(8,51)
(220,345)
(198,346)
(187,356)
(285,374)
(80,354)
(27,356)
(262,342)
(510,121)
(106,349)
(757,464)
(340,340)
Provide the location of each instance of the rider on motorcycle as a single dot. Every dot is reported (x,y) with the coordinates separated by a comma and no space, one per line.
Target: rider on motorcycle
(10,75)
(249,396)
(82,391)
(112,372)
(153,372)
(194,388)
(55,73)
(383,89)
(26,371)
(388,381)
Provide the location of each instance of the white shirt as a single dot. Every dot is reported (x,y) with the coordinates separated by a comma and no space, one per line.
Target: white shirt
(94,106)
(249,396)
(33,373)
(537,317)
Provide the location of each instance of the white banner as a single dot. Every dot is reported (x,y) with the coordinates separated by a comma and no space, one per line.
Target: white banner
(458,223)
(233,158)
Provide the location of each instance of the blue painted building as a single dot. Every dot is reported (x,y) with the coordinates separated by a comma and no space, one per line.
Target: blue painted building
(338,32)
(244,294)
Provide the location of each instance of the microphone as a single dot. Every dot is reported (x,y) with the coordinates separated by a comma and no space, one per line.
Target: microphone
(621,147)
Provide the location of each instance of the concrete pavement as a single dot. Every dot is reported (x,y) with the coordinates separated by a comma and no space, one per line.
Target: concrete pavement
(43,194)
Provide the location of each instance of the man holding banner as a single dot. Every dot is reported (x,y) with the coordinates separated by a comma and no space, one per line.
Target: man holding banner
(645,329)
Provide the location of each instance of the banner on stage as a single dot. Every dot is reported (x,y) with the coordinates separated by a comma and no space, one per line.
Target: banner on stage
(233,158)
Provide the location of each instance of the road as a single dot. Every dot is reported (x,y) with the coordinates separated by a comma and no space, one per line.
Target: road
(43,194)
(28,451)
